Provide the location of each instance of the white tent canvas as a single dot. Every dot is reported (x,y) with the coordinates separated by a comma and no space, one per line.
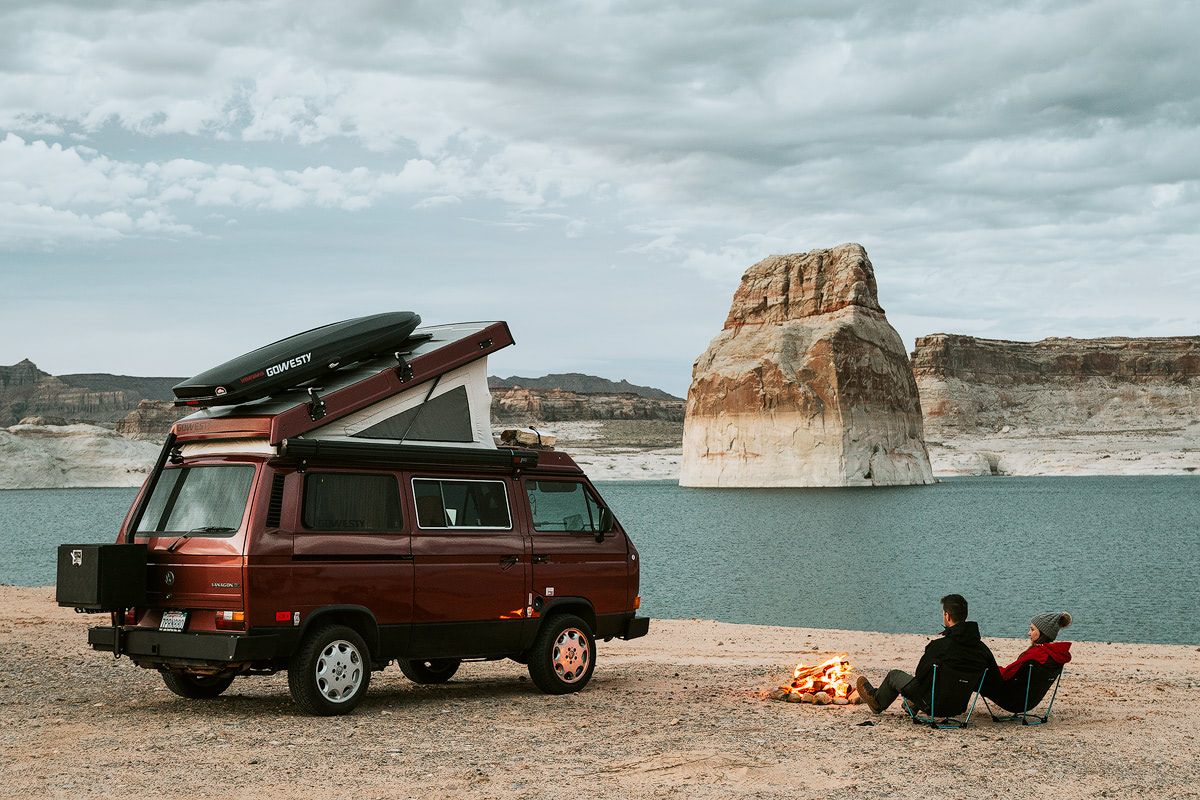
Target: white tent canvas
(451,409)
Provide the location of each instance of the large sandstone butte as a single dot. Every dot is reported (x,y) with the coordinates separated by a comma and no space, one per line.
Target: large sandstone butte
(807,385)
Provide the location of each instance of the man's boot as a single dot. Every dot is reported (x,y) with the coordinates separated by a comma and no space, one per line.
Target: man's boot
(867,692)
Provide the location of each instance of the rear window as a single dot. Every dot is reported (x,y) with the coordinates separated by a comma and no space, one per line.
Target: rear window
(202,501)
(336,501)
(461,504)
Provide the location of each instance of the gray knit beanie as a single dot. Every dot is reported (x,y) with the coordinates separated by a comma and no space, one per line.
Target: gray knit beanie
(1049,624)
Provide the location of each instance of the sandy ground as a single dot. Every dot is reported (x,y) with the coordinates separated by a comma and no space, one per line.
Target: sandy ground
(680,713)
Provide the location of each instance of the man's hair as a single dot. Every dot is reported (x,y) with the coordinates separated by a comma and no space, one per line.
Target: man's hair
(955,605)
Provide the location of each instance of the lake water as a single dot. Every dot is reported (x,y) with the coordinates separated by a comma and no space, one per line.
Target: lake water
(1122,554)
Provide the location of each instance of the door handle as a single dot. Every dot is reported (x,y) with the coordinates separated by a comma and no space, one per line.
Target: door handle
(541,559)
(508,561)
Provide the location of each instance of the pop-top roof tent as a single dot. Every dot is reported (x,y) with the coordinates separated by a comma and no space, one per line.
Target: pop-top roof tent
(378,379)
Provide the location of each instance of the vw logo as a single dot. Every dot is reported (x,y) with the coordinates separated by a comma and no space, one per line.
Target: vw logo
(169,579)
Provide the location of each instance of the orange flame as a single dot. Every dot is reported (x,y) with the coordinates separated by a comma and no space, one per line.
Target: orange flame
(832,676)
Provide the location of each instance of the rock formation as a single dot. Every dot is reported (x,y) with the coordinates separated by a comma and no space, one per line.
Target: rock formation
(151,421)
(523,406)
(1060,406)
(579,383)
(807,385)
(99,398)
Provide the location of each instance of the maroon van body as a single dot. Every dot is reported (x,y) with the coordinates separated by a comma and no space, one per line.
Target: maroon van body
(268,549)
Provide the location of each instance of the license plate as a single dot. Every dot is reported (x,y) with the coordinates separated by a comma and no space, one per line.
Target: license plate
(173,621)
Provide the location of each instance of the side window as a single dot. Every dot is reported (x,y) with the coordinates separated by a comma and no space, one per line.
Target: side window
(461,504)
(336,501)
(562,506)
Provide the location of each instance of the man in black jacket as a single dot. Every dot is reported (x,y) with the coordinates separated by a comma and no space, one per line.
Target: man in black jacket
(959,647)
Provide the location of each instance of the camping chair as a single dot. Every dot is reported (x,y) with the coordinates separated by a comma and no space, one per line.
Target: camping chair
(1038,680)
(948,697)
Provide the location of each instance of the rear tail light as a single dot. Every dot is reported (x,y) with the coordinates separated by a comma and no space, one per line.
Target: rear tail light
(637,602)
(231,620)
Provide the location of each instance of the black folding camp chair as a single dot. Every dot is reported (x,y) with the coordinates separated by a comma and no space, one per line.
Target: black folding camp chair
(1022,693)
(950,692)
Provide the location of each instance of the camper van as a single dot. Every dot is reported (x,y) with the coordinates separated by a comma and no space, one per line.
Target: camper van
(338,502)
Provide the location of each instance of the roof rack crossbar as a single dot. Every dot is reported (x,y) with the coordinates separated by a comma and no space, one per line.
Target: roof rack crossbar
(417,455)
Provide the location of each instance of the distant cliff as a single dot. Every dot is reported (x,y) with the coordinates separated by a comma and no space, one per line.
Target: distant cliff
(1060,406)
(523,406)
(27,391)
(579,383)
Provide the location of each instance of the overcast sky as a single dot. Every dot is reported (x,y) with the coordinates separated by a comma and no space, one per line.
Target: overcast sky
(182,182)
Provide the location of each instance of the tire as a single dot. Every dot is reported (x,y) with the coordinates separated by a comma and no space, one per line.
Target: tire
(563,655)
(430,670)
(196,687)
(330,672)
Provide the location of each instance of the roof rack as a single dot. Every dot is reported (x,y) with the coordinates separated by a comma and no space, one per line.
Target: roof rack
(383,453)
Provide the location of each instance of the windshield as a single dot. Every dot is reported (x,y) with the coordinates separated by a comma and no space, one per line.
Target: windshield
(199,501)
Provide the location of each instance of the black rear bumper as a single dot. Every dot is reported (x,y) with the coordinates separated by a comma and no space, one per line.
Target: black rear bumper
(147,646)
(635,627)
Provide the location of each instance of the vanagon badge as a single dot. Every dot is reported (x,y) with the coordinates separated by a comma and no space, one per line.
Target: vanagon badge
(169,579)
(76,558)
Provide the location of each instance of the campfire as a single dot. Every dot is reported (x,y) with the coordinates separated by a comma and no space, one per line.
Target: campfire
(830,682)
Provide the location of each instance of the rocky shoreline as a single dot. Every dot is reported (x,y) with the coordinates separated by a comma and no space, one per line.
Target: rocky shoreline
(683,712)
(80,456)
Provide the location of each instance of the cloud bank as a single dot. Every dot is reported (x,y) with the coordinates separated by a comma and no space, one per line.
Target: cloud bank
(1027,168)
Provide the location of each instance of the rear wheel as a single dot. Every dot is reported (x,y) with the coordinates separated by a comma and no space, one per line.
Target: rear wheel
(196,687)
(330,672)
(563,655)
(430,670)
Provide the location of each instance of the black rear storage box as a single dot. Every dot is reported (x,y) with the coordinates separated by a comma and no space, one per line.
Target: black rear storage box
(101,577)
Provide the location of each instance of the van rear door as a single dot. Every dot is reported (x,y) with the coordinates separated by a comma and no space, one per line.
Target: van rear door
(195,523)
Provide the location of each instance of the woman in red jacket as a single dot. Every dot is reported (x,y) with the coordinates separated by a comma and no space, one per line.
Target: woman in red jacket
(1010,694)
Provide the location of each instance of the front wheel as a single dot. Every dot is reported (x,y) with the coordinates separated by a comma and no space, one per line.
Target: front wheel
(430,670)
(330,672)
(563,655)
(196,687)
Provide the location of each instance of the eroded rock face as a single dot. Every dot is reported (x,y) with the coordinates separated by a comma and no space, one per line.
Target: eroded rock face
(807,385)
(151,421)
(1111,405)
(521,406)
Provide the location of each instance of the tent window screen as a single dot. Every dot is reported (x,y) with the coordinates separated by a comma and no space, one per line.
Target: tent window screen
(445,418)
(336,501)
(562,506)
(461,504)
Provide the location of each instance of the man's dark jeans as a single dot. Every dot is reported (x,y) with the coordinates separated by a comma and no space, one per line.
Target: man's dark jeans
(889,690)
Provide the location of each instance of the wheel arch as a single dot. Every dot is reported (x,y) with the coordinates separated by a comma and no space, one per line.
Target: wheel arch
(579,606)
(358,618)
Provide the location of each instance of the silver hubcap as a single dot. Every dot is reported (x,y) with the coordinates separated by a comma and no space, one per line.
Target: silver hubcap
(571,655)
(339,671)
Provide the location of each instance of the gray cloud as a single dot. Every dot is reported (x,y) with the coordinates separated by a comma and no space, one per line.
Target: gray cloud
(1008,167)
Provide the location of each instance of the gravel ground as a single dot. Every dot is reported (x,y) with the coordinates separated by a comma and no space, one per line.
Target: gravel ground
(680,713)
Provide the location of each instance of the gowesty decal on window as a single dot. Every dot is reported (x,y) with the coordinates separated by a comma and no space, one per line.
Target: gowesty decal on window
(291,363)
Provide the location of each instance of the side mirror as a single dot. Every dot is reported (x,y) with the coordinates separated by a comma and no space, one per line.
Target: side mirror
(607,522)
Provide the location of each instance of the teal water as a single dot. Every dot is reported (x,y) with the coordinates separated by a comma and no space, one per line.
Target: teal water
(1122,554)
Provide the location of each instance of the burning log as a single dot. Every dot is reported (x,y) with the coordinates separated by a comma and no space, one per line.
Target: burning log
(828,683)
